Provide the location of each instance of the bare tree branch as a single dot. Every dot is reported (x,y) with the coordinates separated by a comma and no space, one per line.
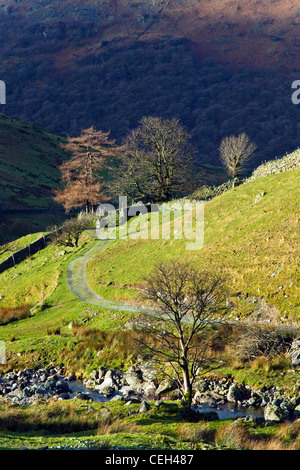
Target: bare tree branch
(235,152)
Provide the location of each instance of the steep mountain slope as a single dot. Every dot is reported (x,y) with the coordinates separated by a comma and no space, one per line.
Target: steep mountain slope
(249,32)
(221,67)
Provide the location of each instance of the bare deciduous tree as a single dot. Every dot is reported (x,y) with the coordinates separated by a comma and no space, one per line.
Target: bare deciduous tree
(156,160)
(69,234)
(81,174)
(235,152)
(187,302)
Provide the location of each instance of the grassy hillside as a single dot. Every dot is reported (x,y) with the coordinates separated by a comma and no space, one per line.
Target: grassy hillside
(38,289)
(257,243)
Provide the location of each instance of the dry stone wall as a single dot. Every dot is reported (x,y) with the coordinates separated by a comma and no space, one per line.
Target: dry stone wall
(289,162)
(24,253)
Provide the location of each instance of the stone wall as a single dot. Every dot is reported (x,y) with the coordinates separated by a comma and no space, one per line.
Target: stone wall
(24,253)
(289,162)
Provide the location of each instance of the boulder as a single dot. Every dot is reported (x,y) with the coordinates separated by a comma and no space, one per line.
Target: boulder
(62,386)
(144,407)
(296,412)
(148,372)
(105,415)
(149,388)
(94,375)
(107,387)
(133,378)
(126,391)
(101,372)
(166,386)
(273,413)
(202,385)
(90,383)
(294,352)
(234,394)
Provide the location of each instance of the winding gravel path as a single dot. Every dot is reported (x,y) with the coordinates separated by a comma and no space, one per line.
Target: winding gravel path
(78,284)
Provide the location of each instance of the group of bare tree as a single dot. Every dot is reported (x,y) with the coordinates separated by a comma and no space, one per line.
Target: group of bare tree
(154,164)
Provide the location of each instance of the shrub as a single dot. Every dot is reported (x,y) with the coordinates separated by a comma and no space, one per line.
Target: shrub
(255,341)
(196,433)
(10,314)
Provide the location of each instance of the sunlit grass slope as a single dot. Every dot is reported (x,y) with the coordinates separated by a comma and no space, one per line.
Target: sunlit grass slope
(256,241)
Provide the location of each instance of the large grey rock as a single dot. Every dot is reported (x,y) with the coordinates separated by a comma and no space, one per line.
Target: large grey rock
(148,371)
(166,386)
(202,385)
(234,394)
(149,388)
(105,415)
(133,378)
(101,372)
(62,386)
(94,375)
(126,391)
(273,413)
(144,407)
(296,412)
(294,352)
(108,386)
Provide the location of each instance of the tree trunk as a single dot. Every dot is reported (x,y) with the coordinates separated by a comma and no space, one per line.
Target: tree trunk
(187,386)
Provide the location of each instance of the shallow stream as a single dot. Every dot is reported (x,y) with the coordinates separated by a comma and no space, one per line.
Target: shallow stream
(226,411)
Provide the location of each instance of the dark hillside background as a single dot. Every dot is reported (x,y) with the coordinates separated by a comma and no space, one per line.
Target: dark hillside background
(221,67)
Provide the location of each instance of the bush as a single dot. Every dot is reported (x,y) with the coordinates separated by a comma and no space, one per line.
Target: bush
(10,314)
(255,341)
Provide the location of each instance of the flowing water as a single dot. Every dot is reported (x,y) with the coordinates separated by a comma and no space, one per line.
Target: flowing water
(226,411)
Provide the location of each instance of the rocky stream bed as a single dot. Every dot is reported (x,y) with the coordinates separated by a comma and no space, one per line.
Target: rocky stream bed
(212,399)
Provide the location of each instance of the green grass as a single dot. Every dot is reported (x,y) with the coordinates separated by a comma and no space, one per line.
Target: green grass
(19,244)
(249,240)
(41,282)
(65,330)
(79,425)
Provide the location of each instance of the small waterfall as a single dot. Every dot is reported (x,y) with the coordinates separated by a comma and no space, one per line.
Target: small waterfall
(13,258)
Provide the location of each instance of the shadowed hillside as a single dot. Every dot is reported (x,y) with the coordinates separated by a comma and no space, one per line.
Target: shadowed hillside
(221,67)
(29,156)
